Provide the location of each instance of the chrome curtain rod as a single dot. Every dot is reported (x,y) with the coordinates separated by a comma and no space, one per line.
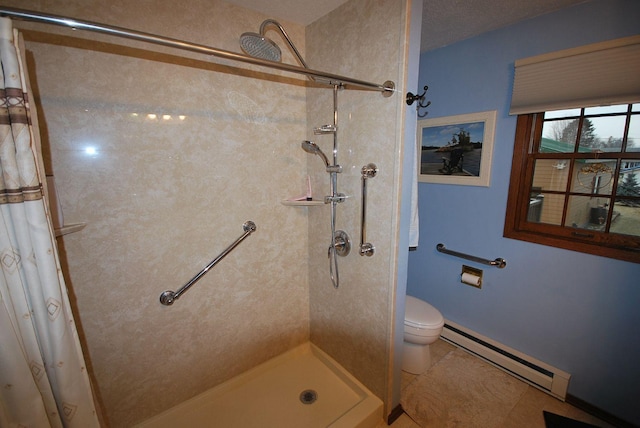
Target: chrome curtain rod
(387,88)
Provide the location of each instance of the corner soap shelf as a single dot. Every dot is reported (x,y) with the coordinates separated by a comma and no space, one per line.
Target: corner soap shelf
(69,228)
(301,203)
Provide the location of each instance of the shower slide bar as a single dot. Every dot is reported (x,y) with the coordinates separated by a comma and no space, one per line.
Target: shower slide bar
(387,88)
(366,248)
(168,297)
(500,263)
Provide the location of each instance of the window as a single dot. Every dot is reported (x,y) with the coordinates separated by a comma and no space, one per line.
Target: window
(575,180)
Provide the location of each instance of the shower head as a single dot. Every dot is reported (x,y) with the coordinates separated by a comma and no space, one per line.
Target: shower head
(311,147)
(259,46)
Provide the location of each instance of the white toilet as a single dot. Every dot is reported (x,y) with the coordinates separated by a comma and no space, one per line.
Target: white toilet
(422,326)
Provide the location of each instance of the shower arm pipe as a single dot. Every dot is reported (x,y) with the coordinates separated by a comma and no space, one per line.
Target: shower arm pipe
(387,88)
(168,297)
(263,29)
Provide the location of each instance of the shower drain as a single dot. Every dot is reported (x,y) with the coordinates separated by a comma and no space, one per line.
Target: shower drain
(308,396)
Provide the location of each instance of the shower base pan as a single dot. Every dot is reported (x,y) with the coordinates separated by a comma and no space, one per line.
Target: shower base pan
(303,387)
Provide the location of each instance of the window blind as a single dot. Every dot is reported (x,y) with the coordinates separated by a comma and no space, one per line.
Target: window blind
(592,75)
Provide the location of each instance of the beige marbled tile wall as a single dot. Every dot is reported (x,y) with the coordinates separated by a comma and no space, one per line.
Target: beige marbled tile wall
(163,195)
(363,39)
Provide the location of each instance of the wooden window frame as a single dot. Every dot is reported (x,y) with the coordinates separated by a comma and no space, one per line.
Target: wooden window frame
(617,246)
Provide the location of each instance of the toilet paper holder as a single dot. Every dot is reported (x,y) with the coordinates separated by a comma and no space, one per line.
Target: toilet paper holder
(500,263)
(471,276)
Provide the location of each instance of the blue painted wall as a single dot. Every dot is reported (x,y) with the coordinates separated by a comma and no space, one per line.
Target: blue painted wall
(578,312)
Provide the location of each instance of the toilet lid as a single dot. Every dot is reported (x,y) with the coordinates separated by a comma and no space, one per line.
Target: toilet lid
(420,314)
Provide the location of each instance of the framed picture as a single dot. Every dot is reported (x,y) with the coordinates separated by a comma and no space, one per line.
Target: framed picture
(456,149)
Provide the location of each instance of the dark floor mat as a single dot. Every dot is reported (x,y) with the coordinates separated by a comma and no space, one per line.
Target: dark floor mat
(551,420)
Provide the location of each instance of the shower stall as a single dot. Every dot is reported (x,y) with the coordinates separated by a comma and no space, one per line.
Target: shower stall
(257,45)
(164,154)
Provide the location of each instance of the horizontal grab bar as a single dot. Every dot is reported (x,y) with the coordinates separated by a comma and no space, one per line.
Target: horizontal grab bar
(500,263)
(168,297)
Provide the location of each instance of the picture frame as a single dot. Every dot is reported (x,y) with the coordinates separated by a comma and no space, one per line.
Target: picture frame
(456,149)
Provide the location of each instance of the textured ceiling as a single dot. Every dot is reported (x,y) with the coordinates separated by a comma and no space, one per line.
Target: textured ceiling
(448,21)
(443,21)
(299,11)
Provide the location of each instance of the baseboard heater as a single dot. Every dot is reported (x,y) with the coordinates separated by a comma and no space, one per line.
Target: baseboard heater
(536,373)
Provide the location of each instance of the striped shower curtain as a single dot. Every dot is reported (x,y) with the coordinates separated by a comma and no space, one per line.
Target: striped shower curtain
(43,377)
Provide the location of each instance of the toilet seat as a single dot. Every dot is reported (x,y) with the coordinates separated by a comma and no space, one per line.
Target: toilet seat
(421,315)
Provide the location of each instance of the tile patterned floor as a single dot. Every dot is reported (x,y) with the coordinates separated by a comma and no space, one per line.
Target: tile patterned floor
(463,391)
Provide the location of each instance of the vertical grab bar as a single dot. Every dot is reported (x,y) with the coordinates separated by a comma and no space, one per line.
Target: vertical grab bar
(366,248)
(168,297)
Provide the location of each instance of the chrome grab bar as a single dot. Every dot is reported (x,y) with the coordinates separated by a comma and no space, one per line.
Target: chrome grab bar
(168,297)
(500,263)
(366,248)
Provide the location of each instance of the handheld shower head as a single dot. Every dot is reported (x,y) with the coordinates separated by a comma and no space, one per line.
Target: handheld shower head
(314,149)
